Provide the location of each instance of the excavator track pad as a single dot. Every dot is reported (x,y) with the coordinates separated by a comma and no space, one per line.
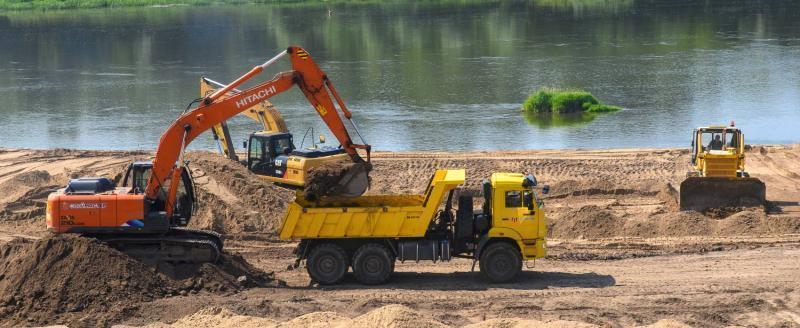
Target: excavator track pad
(703,193)
(179,245)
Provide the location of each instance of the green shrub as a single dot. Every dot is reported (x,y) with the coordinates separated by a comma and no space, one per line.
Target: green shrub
(601,108)
(539,102)
(564,101)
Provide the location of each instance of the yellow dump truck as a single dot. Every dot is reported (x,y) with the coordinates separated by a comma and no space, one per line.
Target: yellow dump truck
(369,233)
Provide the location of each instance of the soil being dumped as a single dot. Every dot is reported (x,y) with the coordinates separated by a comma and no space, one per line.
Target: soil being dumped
(81,281)
(324,180)
(234,200)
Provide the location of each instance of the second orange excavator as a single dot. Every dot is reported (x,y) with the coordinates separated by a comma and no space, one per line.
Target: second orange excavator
(148,215)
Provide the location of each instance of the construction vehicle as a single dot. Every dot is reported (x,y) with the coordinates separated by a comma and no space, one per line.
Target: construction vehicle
(273,156)
(369,233)
(263,112)
(147,215)
(717,176)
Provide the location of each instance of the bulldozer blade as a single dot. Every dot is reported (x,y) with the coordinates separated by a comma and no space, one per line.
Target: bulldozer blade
(354,182)
(702,193)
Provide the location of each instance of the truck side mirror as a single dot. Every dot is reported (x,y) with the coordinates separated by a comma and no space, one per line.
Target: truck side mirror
(244,144)
(545,190)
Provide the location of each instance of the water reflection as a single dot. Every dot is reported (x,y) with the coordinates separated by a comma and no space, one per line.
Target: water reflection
(551,120)
(418,76)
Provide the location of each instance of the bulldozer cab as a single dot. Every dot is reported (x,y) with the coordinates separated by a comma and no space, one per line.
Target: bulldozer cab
(719,140)
(264,148)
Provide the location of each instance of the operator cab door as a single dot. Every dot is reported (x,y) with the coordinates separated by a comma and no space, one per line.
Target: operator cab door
(263,153)
(516,208)
(259,160)
(138,175)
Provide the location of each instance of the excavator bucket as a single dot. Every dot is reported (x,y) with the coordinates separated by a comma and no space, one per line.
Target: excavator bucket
(702,193)
(354,182)
(337,179)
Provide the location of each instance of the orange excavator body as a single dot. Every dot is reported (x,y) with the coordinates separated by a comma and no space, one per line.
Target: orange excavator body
(94,206)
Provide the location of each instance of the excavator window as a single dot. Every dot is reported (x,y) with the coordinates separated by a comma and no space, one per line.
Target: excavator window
(279,145)
(258,160)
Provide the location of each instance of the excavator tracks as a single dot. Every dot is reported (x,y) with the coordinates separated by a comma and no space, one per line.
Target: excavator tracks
(179,245)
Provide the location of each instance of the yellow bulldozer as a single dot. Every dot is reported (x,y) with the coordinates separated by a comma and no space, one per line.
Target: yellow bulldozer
(717,176)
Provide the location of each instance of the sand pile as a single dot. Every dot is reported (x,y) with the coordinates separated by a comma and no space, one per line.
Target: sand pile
(71,279)
(220,318)
(392,316)
(53,278)
(592,221)
(234,200)
(25,195)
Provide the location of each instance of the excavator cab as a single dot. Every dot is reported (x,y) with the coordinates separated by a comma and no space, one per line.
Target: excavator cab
(263,149)
(136,178)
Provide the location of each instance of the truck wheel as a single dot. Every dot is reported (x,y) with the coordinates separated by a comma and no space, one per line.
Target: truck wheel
(500,262)
(373,264)
(327,264)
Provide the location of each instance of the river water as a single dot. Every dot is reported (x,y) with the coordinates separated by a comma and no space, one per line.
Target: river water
(432,76)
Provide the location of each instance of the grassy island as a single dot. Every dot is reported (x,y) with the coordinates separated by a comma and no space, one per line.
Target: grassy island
(565,102)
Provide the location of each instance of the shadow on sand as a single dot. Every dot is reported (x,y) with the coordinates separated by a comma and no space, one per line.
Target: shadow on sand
(527,280)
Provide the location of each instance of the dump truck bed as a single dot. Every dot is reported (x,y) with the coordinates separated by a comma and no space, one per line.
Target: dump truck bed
(373,216)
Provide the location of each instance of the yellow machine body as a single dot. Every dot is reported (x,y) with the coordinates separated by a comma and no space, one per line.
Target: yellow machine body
(717,176)
(410,216)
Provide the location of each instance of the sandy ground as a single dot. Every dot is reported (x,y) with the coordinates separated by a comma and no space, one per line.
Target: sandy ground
(620,253)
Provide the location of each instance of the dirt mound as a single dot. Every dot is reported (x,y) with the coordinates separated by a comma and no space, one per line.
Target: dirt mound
(595,222)
(319,320)
(49,280)
(25,195)
(395,315)
(71,279)
(219,317)
(527,323)
(232,199)
(587,222)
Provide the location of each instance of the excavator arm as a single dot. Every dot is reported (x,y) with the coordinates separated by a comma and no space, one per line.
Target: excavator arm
(264,113)
(222,105)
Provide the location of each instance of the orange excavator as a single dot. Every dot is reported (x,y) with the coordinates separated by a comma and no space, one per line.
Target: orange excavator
(147,216)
